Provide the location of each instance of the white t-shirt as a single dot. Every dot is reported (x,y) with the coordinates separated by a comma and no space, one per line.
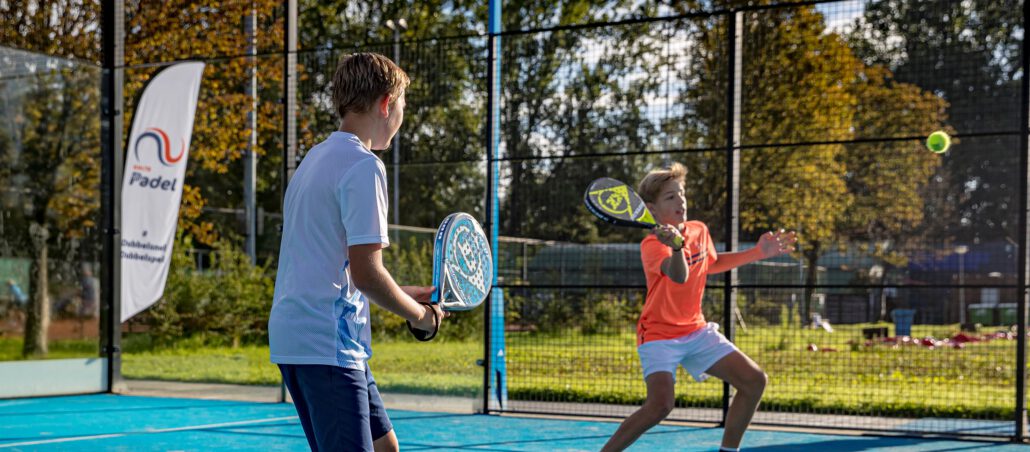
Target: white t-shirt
(337,198)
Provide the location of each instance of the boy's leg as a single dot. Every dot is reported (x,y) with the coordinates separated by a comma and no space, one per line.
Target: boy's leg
(749,380)
(388,443)
(336,403)
(661,398)
(383,436)
(299,403)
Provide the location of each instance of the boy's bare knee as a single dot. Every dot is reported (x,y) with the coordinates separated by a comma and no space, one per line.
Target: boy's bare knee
(660,409)
(754,384)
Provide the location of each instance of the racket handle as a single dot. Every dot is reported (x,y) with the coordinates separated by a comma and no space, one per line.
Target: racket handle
(678,240)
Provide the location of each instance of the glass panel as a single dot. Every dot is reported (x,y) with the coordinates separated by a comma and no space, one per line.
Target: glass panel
(50,207)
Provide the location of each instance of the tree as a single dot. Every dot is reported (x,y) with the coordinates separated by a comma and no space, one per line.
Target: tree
(55,162)
(806,97)
(573,109)
(50,156)
(442,139)
(968,53)
(213,32)
(892,182)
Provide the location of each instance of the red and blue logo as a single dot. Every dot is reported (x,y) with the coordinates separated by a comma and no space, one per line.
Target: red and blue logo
(164,146)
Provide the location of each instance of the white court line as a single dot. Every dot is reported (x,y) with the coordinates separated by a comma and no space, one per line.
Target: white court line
(60,440)
(144,432)
(223,424)
(7,403)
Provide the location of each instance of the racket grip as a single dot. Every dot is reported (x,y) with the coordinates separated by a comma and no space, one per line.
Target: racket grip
(678,240)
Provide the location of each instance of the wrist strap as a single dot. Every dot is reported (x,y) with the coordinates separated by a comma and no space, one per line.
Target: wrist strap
(423,335)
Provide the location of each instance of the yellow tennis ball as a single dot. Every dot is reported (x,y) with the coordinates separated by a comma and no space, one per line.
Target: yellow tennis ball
(938,142)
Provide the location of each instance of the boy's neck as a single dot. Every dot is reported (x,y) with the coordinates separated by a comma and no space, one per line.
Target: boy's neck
(358,127)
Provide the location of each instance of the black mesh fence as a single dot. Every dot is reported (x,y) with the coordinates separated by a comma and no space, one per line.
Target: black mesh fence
(898,310)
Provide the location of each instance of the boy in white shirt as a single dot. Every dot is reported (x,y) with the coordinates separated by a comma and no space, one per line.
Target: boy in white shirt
(330,266)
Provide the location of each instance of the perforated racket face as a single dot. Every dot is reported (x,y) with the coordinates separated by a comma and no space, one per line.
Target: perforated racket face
(614,202)
(466,264)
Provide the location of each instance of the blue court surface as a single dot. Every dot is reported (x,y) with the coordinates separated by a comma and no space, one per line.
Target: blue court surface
(130,423)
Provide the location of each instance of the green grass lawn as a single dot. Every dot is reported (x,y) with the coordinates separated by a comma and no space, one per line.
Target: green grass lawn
(975,382)
(10,349)
(441,368)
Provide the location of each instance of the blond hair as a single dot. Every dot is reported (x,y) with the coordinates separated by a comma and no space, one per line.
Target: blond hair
(651,186)
(361,79)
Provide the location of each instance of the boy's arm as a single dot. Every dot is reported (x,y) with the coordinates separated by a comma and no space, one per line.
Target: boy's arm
(771,244)
(373,280)
(675,266)
(729,261)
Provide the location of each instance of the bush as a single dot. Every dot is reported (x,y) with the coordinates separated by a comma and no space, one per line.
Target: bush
(759,310)
(227,304)
(610,312)
(556,311)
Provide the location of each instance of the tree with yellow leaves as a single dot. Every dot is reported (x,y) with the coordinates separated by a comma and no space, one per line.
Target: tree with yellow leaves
(809,107)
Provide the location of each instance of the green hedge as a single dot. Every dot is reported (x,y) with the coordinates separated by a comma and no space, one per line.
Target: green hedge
(229,303)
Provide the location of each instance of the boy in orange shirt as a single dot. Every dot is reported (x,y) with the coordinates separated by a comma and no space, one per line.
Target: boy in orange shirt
(672,331)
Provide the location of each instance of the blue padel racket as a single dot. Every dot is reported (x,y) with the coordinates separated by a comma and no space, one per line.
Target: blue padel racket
(616,203)
(463,267)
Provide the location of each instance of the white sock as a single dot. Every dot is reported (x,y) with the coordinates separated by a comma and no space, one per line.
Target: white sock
(729,449)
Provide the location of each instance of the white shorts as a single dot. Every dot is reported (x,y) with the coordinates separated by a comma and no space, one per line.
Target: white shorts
(696,352)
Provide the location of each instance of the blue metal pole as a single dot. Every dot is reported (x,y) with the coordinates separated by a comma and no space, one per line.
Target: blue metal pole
(495,388)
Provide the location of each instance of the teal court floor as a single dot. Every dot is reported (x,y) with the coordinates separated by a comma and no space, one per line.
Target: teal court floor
(134,423)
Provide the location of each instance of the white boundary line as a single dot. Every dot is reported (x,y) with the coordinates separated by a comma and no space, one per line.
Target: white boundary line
(145,432)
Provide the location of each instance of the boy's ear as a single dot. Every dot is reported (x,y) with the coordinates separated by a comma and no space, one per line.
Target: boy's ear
(383,105)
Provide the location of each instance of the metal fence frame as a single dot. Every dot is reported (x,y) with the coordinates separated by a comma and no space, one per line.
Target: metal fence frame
(731,285)
(494,384)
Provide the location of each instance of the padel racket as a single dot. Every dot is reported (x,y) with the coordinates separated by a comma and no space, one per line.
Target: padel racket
(463,268)
(616,203)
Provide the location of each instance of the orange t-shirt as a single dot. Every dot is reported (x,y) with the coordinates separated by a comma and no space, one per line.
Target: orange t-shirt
(673,310)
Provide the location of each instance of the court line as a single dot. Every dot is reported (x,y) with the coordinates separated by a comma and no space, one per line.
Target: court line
(145,432)
(203,406)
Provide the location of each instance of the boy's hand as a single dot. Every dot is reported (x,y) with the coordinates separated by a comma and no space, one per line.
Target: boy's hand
(775,243)
(668,235)
(431,318)
(421,294)
(428,321)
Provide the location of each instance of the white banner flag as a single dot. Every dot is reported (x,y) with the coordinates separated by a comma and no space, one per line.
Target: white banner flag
(155,166)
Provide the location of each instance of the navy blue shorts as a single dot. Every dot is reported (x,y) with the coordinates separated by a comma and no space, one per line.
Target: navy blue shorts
(340,409)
